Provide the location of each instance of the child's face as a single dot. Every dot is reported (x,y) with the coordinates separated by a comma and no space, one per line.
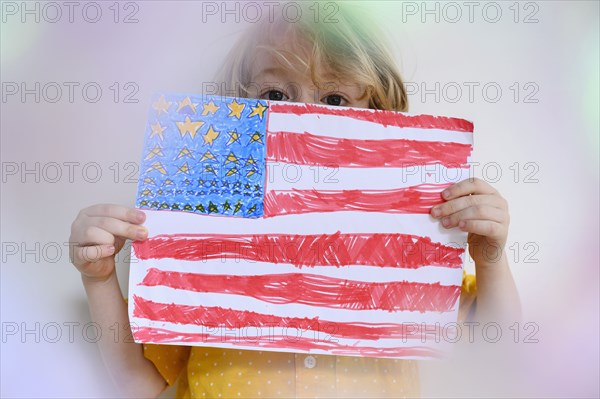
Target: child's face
(272,81)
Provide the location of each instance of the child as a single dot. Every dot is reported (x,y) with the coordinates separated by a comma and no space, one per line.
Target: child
(338,63)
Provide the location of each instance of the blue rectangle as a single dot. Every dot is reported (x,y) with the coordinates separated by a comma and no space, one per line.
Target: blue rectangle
(204,154)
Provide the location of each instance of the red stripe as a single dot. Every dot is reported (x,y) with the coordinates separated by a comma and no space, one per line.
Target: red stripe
(384,250)
(315,290)
(216,316)
(309,149)
(417,199)
(163,336)
(385,118)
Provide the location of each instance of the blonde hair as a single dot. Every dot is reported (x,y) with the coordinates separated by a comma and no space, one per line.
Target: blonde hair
(348,44)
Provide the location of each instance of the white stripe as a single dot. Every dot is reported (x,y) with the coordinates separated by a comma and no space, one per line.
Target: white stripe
(347,127)
(169,222)
(236,267)
(267,334)
(182,297)
(287,176)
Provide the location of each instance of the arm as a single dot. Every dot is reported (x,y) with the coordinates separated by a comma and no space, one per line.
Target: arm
(97,234)
(477,208)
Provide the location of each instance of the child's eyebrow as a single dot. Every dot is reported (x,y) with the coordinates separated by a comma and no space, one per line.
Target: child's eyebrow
(275,71)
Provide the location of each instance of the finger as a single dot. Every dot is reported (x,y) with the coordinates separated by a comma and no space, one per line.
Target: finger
(485,228)
(466,187)
(92,253)
(478,212)
(124,213)
(92,235)
(458,204)
(119,228)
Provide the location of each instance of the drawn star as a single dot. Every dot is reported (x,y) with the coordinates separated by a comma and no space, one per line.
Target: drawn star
(189,127)
(250,172)
(161,105)
(157,166)
(168,182)
(259,110)
(250,161)
(212,207)
(256,138)
(231,158)
(154,204)
(185,152)
(226,206)
(238,206)
(143,203)
(187,207)
(164,205)
(146,192)
(231,172)
(210,169)
(209,108)
(149,180)
(155,152)
(213,183)
(233,138)
(200,208)
(175,206)
(183,169)
(252,209)
(208,155)
(210,136)
(256,187)
(200,182)
(236,109)
(186,102)
(157,130)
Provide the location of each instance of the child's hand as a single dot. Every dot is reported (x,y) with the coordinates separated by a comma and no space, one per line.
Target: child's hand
(476,207)
(98,234)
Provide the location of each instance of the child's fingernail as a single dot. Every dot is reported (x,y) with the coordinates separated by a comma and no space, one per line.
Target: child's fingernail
(140,216)
(462,224)
(110,249)
(141,233)
(446,194)
(436,212)
(446,222)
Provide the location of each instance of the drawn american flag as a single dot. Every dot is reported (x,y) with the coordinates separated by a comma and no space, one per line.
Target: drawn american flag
(297,227)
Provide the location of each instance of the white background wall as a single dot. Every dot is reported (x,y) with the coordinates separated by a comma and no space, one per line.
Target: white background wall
(550,138)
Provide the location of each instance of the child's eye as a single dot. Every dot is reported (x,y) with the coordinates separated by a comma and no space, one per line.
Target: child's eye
(274,95)
(334,99)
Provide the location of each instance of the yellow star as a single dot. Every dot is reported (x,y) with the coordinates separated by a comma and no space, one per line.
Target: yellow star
(256,138)
(233,137)
(185,152)
(183,169)
(157,166)
(149,180)
(231,158)
(236,109)
(168,182)
(209,108)
(250,172)
(157,130)
(231,171)
(161,105)
(146,192)
(210,136)
(186,102)
(258,110)
(208,155)
(210,169)
(189,127)
(250,161)
(155,152)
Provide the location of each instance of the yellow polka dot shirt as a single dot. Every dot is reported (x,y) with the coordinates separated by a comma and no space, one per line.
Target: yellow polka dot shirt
(203,372)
